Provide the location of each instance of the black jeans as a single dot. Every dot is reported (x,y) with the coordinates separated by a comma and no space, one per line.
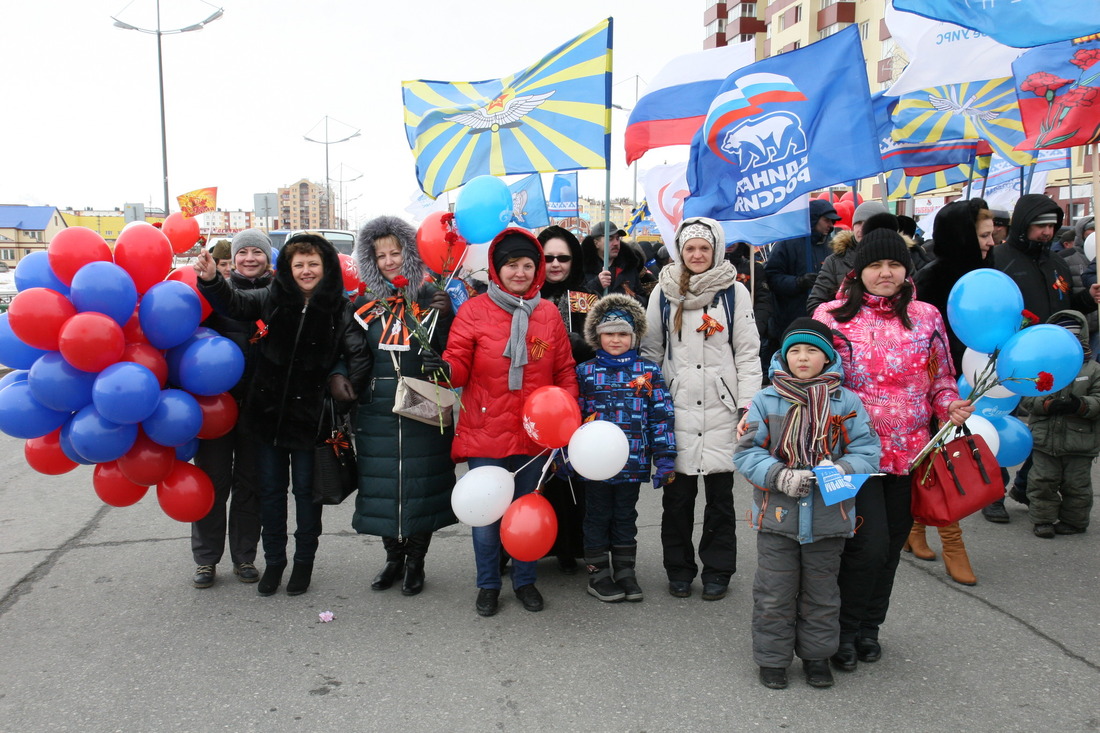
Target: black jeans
(610,514)
(230,462)
(280,468)
(870,558)
(717,544)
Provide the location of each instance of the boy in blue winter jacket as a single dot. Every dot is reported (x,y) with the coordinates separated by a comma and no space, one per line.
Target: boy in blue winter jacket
(620,387)
(804,419)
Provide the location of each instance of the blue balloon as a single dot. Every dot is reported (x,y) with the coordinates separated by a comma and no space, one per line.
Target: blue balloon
(59,385)
(18,375)
(176,419)
(98,439)
(13,352)
(126,392)
(188,450)
(169,314)
(66,440)
(105,288)
(985,307)
(34,271)
(483,208)
(172,358)
(211,366)
(22,416)
(1043,348)
(1016,440)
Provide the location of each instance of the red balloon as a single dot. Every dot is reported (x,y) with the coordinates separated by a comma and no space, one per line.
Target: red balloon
(132,330)
(187,276)
(431,242)
(91,341)
(182,231)
(147,462)
(528,528)
(72,248)
(37,315)
(113,487)
(45,455)
(186,494)
(350,270)
(845,209)
(219,415)
(144,253)
(150,358)
(551,416)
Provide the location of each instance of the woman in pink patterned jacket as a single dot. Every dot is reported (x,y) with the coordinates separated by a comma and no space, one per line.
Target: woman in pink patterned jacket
(896,359)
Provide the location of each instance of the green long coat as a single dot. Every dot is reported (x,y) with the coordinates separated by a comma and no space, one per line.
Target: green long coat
(405,469)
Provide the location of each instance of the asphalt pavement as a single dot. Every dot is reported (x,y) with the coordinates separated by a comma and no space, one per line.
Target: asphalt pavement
(100,630)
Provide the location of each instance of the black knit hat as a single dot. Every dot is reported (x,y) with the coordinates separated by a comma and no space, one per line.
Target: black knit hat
(882,244)
(512,246)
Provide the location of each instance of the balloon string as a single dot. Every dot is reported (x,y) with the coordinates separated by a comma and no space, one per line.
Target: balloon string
(533,459)
(573,493)
(454,271)
(545,468)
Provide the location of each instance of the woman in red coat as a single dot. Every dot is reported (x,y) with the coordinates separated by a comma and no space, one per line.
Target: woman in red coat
(504,345)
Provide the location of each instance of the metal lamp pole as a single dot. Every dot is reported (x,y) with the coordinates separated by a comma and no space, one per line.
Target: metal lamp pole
(327,223)
(158,32)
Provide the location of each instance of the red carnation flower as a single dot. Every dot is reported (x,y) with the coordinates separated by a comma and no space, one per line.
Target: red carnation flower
(1085,57)
(1043,84)
(1045,382)
(1081,96)
(400,281)
(158,224)
(1030,318)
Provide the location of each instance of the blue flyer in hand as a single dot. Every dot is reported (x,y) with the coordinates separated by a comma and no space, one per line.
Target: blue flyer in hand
(836,486)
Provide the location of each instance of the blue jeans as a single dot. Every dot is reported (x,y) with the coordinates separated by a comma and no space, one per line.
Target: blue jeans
(610,514)
(278,469)
(487,539)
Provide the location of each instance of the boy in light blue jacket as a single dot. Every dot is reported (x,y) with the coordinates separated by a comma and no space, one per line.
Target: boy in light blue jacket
(804,419)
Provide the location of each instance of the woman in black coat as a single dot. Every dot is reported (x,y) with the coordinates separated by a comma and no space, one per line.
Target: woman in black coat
(305,325)
(405,469)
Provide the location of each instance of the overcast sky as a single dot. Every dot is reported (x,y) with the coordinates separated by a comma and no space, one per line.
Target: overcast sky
(81,127)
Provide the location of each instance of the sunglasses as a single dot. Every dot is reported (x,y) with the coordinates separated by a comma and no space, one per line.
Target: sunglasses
(559,258)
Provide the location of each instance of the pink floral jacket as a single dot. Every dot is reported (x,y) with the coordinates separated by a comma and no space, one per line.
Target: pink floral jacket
(903,377)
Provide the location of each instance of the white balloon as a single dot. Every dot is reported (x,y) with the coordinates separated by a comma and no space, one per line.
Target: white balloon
(980,426)
(482,495)
(973,364)
(598,450)
(1090,246)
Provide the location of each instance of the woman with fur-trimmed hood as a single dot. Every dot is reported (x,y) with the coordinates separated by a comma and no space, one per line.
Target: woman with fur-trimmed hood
(405,469)
(620,387)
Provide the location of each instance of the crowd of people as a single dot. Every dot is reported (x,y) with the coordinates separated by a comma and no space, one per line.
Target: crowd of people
(859,366)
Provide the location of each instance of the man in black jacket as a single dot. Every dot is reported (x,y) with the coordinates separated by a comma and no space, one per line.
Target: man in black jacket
(625,264)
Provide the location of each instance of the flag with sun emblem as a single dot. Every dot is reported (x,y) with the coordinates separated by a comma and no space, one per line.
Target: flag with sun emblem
(553,116)
(978,109)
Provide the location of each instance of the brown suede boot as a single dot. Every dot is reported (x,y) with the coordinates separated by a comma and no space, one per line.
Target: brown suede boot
(954,555)
(917,544)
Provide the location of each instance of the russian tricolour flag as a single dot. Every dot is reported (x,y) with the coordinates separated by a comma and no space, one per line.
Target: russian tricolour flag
(676,105)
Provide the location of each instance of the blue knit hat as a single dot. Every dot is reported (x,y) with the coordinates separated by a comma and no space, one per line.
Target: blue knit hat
(808,331)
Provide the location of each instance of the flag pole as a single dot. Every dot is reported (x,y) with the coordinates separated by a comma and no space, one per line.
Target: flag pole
(882,188)
(970,178)
(1030,173)
(1095,176)
(607,225)
(1069,174)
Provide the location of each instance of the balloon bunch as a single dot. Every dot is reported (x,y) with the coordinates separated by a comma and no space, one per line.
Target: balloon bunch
(482,210)
(111,367)
(1004,361)
(598,450)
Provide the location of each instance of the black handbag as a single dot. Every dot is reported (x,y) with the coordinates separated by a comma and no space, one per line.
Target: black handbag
(335,473)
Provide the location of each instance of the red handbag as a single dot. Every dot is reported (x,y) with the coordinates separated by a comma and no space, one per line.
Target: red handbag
(957,480)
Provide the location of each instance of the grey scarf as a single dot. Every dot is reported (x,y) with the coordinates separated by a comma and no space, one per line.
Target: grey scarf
(521,310)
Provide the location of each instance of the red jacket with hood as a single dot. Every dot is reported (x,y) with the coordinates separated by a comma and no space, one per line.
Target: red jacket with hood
(491,423)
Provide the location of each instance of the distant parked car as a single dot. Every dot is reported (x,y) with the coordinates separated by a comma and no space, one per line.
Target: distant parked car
(342,239)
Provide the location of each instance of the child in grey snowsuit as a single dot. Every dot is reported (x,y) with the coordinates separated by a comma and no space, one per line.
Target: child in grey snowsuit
(804,419)
(1066,435)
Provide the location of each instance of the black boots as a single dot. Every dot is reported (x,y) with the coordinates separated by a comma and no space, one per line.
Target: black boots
(395,564)
(600,583)
(272,578)
(623,559)
(300,576)
(404,556)
(414,576)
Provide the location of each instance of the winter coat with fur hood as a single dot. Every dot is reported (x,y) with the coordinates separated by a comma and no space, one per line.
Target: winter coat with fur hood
(788,261)
(854,447)
(303,343)
(837,266)
(628,391)
(1076,433)
(710,372)
(405,469)
(490,424)
(239,332)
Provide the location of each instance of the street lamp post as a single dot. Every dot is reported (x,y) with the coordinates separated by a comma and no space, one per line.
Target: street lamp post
(342,209)
(158,32)
(326,223)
